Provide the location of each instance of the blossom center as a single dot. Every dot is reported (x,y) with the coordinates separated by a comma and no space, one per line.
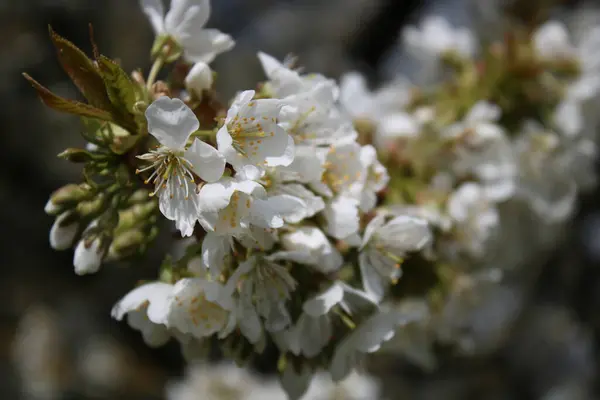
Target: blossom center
(169,166)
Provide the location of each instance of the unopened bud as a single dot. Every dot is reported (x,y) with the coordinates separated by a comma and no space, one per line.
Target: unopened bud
(51,208)
(126,244)
(199,78)
(139,196)
(138,213)
(63,231)
(76,155)
(90,208)
(88,256)
(70,193)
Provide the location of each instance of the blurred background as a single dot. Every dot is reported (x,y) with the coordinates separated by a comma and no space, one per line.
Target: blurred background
(57,340)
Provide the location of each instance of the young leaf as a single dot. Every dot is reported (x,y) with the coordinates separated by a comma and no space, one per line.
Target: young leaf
(121,90)
(65,105)
(82,71)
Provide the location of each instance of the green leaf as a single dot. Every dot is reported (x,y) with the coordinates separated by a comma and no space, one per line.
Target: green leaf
(122,91)
(82,71)
(66,105)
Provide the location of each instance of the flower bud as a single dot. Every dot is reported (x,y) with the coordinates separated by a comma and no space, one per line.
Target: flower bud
(92,207)
(139,196)
(63,231)
(70,193)
(88,257)
(76,155)
(51,208)
(126,244)
(199,78)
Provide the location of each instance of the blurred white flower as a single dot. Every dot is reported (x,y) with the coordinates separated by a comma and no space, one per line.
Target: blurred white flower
(200,308)
(185,23)
(436,36)
(483,149)
(264,286)
(384,246)
(475,217)
(309,246)
(146,311)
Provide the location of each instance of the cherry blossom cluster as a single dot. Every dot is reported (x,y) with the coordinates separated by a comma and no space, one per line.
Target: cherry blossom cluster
(477,142)
(320,219)
(274,197)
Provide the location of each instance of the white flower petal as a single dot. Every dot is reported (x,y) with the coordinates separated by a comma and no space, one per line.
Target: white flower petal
(372,281)
(180,204)
(186,17)
(200,308)
(206,161)
(342,217)
(171,122)
(309,245)
(249,322)
(406,233)
(313,334)
(206,45)
(216,196)
(155,12)
(62,236)
(199,78)
(87,259)
(295,384)
(322,303)
(216,252)
(551,40)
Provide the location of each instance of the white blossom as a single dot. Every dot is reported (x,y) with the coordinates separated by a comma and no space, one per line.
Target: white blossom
(551,41)
(284,82)
(314,328)
(309,246)
(354,387)
(201,308)
(213,381)
(436,36)
(384,247)
(146,308)
(482,149)
(185,23)
(361,103)
(265,286)
(342,217)
(251,139)
(545,179)
(367,338)
(475,217)
(175,166)
(199,78)
(374,179)
(232,206)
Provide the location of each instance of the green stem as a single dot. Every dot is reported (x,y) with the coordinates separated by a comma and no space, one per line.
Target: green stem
(210,133)
(158,63)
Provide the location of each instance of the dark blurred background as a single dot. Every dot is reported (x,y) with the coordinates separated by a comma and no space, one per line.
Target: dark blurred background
(50,314)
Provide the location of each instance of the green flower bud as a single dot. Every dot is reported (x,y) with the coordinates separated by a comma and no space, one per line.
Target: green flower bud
(89,209)
(77,155)
(126,244)
(71,194)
